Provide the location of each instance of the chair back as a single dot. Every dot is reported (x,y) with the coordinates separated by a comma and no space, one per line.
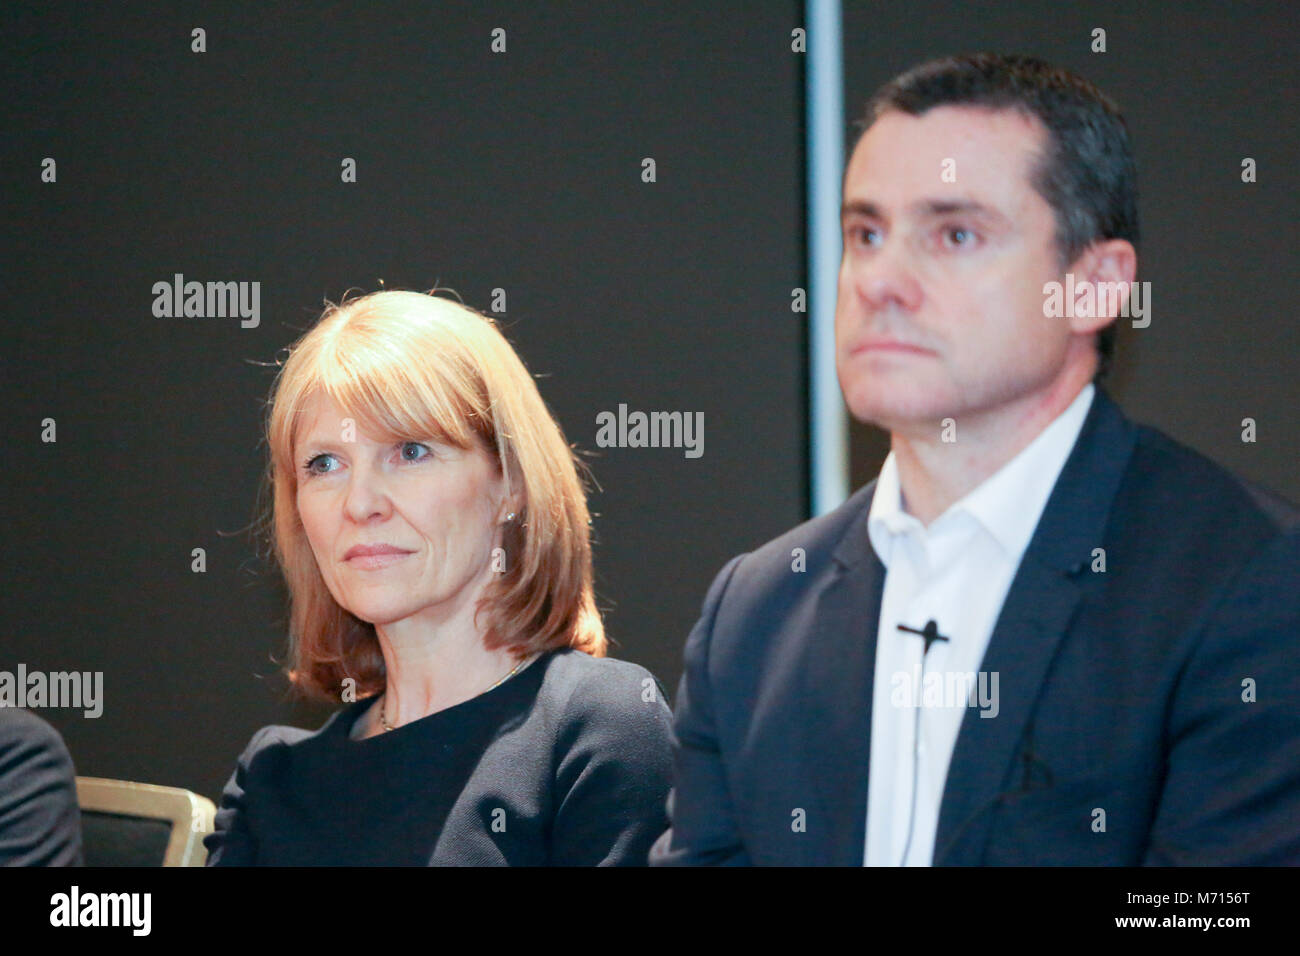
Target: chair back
(141,824)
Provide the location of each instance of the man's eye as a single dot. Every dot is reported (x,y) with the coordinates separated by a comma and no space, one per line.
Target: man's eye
(863,233)
(958,236)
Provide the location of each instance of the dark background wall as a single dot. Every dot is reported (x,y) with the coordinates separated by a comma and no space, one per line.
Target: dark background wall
(519,171)
(1202,85)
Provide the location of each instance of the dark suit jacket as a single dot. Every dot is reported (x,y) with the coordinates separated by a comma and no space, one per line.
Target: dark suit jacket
(1124,691)
(40,820)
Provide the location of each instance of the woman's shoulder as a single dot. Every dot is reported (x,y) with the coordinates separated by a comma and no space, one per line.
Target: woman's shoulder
(611,743)
(273,736)
(571,669)
(606,687)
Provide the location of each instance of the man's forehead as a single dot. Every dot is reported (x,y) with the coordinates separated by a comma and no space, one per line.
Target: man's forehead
(953,149)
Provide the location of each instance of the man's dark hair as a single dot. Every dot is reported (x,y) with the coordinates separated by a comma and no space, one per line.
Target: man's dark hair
(1086,174)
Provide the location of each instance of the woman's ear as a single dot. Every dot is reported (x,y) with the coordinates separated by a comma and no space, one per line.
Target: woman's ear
(512,497)
(510,509)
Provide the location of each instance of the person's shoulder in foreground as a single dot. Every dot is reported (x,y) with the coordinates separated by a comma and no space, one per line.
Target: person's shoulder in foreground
(40,820)
(583,739)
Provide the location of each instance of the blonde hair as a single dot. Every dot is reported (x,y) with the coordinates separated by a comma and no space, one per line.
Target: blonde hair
(411,366)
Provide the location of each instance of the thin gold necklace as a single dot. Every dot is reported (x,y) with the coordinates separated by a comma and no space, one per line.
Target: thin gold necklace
(383,704)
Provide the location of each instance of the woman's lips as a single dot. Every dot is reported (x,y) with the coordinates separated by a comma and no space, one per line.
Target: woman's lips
(375,557)
(369,562)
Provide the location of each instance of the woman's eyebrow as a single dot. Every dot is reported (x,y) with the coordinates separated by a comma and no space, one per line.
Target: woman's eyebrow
(322,443)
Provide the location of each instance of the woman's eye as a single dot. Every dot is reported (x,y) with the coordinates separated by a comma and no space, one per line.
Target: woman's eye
(409,451)
(310,465)
(414,451)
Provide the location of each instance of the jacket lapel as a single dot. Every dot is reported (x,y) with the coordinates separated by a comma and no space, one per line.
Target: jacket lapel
(836,701)
(1039,606)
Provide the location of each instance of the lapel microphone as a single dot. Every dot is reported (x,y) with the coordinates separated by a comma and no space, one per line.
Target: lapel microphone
(930,632)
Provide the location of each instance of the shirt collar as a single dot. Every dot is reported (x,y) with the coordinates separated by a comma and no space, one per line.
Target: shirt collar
(1007,504)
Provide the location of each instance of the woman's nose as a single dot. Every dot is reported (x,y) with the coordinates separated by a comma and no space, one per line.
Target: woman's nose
(367,494)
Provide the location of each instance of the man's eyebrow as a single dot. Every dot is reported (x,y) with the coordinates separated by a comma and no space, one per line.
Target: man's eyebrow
(858,207)
(946,207)
(925,208)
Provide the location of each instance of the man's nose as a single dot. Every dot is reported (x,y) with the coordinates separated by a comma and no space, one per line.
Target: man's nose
(884,279)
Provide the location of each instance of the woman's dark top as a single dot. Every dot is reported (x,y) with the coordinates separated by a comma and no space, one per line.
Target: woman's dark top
(566,763)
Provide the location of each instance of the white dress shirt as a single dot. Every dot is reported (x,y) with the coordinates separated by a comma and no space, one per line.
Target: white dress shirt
(956,572)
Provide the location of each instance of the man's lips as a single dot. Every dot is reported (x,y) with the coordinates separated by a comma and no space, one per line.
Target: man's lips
(888,345)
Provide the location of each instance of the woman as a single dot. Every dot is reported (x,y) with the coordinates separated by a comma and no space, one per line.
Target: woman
(433,533)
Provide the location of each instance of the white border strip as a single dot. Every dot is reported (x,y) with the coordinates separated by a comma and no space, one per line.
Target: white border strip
(828,425)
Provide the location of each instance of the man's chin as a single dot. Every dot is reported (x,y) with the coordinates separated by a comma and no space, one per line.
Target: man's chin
(897,409)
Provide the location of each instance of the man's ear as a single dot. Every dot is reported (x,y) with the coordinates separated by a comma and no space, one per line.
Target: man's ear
(1109,266)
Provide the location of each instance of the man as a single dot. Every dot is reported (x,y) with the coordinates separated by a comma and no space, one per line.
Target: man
(1121,611)
(40,821)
